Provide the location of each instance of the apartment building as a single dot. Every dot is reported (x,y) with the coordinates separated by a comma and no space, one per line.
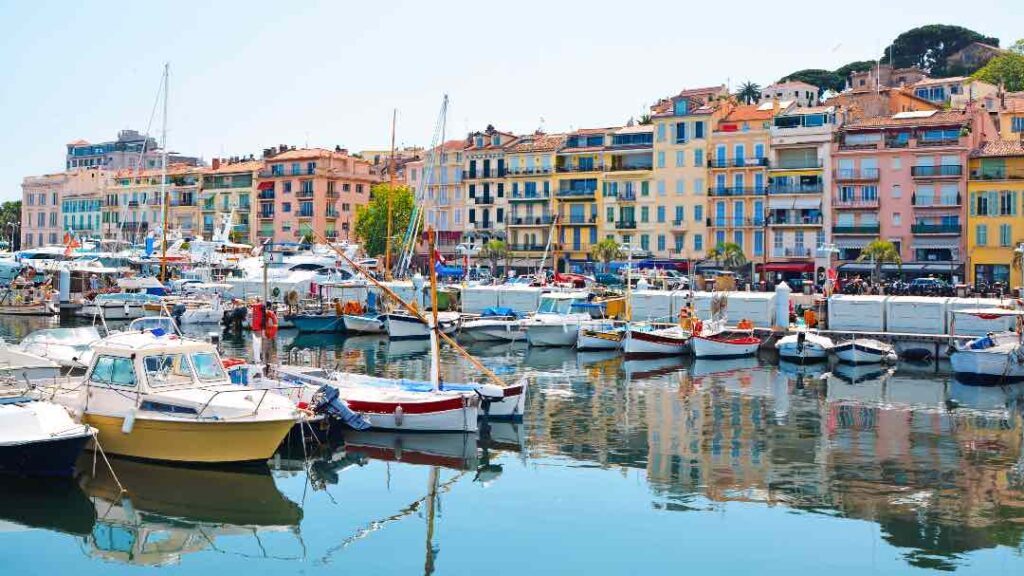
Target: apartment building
(802,93)
(228,190)
(995,215)
(531,182)
(903,178)
(578,177)
(129,151)
(55,203)
(310,190)
(437,182)
(682,137)
(626,195)
(133,206)
(483,177)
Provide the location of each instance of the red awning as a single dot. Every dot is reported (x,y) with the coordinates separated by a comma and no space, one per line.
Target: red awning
(787,267)
(265,186)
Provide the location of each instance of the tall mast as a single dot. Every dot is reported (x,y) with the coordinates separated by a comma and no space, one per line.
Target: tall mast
(163,177)
(391,191)
(435,345)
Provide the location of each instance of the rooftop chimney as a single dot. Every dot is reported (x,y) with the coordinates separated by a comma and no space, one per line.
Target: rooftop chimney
(216,163)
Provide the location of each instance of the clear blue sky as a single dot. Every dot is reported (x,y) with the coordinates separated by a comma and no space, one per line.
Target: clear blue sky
(249,75)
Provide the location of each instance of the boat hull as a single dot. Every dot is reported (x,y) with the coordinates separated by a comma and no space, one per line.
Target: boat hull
(599,339)
(725,348)
(363,324)
(401,327)
(461,416)
(809,354)
(981,367)
(53,457)
(193,442)
(552,334)
(318,324)
(113,311)
(854,353)
(638,343)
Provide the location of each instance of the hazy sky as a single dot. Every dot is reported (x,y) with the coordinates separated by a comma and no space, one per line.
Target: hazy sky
(249,75)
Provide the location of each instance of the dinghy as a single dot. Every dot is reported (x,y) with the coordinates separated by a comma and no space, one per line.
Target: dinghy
(996,358)
(865,351)
(804,347)
(723,345)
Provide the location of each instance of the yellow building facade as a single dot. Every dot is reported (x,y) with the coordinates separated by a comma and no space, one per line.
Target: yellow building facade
(531,184)
(579,178)
(995,216)
(682,135)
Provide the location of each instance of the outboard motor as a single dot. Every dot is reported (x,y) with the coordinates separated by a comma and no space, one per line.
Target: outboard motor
(177,312)
(326,401)
(800,338)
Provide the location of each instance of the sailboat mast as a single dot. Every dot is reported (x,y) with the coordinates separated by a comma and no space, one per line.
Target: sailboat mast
(391,191)
(435,346)
(163,177)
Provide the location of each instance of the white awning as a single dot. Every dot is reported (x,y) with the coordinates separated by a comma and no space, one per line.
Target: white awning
(794,203)
(853,243)
(936,243)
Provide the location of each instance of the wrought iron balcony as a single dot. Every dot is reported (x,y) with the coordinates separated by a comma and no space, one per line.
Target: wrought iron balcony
(625,225)
(861,229)
(853,174)
(935,228)
(738,163)
(941,171)
(736,191)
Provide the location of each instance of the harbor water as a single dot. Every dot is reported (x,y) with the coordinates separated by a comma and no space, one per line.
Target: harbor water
(619,467)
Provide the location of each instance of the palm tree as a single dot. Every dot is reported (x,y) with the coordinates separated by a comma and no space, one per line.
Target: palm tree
(1018,256)
(728,254)
(606,250)
(749,92)
(494,250)
(880,251)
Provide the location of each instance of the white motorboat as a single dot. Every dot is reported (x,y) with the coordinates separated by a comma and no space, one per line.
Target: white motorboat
(364,324)
(494,325)
(804,347)
(556,323)
(865,351)
(162,397)
(22,365)
(39,438)
(600,335)
(69,347)
(401,326)
(655,340)
(995,358)
(723,345)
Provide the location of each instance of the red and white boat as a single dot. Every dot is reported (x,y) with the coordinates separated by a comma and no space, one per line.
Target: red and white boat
(647,340)
(723,345)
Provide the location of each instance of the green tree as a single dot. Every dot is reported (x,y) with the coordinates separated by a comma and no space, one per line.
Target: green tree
(728,254)
(1007,69)
(928,47)
(372,219)
(880,251)
(645,120)
(823,79)
(1017,47)
(606,250)
(858,66)
(494,250)
(10,223)
(749,93)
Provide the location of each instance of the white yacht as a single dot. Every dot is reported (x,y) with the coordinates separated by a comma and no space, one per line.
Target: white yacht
(995,358)
(556,323)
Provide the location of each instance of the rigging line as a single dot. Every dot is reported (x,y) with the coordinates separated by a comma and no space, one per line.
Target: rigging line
(145,141)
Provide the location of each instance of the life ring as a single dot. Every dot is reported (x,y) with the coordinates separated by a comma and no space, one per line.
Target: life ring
(270,327)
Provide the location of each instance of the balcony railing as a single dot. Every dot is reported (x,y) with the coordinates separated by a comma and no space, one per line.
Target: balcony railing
(529,196)
(996,175)
(941,171)
(731,222)
(938,142)
(737,162)
(625,225)
(935,201)
(855,174)
(305,213)
(627,168)
(488,199)
(855,202)
(736,191)
(862,229)
(304,194)
(530,220)
(935,228)
(527,247)
(592,219)
(791,252)
(629,196)
(496,173)
(529,171)
(266,195)
(597,167)
(796,221)
(795,188)
(861,146)
(266,215)
(576,193)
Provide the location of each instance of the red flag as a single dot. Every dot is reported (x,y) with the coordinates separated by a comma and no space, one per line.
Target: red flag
(439,258)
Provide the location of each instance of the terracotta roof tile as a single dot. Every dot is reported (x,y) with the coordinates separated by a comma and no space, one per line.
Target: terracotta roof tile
(935,81)
(225,168)
(999,148)
(746,113)
(1014,105)
(308,154)
(537,143)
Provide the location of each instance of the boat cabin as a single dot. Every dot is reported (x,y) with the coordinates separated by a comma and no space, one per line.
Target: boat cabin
(561,302)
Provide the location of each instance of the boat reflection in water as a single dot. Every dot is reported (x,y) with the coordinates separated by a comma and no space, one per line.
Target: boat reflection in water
(56,504)
(173,511)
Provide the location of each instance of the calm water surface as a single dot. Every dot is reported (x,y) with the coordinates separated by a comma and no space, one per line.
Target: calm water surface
(619,467)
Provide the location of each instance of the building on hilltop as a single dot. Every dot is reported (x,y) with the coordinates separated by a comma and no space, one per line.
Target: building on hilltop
(131,150)
(802,93)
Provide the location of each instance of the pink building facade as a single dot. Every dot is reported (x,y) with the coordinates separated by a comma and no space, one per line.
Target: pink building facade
(300,191)
(903,178)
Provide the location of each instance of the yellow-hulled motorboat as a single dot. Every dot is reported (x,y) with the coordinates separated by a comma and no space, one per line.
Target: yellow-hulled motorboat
(160,397)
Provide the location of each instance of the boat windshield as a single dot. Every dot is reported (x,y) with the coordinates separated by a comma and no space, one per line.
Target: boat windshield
(168,370)
(554,306)
(208,367)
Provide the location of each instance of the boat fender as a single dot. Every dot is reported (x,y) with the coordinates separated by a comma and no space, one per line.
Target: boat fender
(398,415)
(129,422)
(126,309)
(491,392)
